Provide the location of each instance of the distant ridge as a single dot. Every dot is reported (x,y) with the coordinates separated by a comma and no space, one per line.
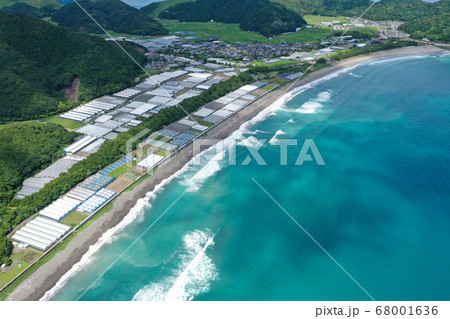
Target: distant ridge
(34,3)
(402,10)
(113,15)
(261,16)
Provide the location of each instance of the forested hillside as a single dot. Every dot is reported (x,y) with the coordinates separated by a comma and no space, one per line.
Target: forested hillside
(155,8)
(403,10)
(39,59)
(113,15)
(34,3)
(435,28)
(252,15)
(423,19)
(23,8)
(24,149)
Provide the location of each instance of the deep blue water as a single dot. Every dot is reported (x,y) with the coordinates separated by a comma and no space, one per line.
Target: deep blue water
(380,205)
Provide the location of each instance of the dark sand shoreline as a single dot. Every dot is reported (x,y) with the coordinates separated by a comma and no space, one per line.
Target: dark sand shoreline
(45,278)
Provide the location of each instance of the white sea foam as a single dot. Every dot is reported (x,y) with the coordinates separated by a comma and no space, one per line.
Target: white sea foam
(309,107)
(207,170)
(402,58)
(355,75)
(313,105)
(194,273)
(274,140)
(323,96)
(291,121)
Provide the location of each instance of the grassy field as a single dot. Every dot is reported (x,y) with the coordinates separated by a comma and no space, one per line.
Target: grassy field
(74,219)
(229,32)
(268,87)
(21,260)
(281,63)
(162,153)
(138,182)
(122,169)
(232,33)
(153,71)
(72,125)
(306,35)
(317,20)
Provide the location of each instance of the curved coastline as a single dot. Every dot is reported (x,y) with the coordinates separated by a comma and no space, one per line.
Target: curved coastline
(130,204)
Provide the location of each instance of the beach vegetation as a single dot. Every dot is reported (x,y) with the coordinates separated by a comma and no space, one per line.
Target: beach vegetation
(434,28)
(372,48)
(74,219)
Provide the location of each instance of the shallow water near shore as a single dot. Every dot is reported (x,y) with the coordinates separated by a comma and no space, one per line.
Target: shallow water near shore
(380,205)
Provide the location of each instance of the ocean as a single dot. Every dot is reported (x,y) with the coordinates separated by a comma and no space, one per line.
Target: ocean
(379,207)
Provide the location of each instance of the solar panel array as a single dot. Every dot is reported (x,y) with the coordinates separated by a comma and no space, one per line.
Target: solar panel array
(97,201)
(183,139)
(116,165)
(98,181)
(168,133)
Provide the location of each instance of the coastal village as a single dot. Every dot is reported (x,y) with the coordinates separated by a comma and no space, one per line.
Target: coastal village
(185,67)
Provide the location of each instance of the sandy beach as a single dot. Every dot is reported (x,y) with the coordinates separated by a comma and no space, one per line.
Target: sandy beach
(43,279)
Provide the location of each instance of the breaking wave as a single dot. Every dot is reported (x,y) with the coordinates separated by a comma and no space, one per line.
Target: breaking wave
(355,75)
(193,275)
(409,57)
(313,105)
(274,140)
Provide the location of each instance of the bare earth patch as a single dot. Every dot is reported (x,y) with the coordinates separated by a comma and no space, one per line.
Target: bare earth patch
(119,184)
(71,92)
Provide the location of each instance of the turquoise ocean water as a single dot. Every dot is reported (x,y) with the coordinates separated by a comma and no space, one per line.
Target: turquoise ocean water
(380,206)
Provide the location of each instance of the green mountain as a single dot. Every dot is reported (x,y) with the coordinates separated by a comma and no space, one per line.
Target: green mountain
(260,16)
(23,8)
(113,15)
(403,10)
(39,61)
(435,28)
(155,8)
(34,3)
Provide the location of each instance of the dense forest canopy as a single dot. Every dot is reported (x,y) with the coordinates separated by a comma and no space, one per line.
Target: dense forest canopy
(261,16)
(33,3)
(25,148)
(434,28)
(155,8)
(24,8)
(113,15)
(403,10)
(39,59)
